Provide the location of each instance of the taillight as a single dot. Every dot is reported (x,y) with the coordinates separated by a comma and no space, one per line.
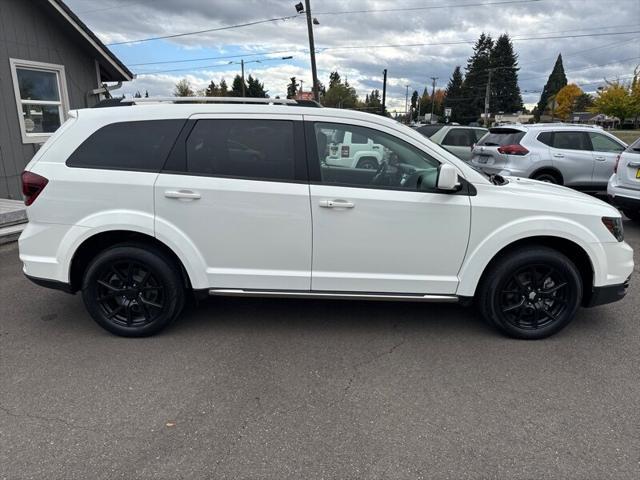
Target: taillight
(513,150)
(32,185)
(615,167)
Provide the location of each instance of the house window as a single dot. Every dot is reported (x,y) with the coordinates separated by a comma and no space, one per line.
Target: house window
(41,98)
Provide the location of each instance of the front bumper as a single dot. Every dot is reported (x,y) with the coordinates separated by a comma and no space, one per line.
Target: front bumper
(607,294)
(53,284)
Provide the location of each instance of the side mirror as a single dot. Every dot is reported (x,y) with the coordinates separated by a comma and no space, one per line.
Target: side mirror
(447,177)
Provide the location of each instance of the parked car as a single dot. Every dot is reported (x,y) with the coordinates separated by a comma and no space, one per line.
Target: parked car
(578,156)
(348,149)
(624,185)
(458,140)
(137,209)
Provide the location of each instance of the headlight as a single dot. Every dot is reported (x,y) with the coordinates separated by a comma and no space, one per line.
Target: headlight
(614,225)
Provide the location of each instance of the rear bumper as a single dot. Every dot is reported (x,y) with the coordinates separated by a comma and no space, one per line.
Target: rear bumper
(53,284)
(607,294)
(625,202)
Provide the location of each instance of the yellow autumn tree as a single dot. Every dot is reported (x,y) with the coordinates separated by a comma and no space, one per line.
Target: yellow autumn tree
(566,99)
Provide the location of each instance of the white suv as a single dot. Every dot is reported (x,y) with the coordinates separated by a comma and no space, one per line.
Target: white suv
(138,206)
(624,185)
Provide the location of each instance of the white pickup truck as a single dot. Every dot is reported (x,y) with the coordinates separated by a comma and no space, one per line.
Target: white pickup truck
(353,150)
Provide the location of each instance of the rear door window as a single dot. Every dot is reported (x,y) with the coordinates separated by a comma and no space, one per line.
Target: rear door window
(429,130)
(571,141)
(141,146)
(502,136)
(250,149)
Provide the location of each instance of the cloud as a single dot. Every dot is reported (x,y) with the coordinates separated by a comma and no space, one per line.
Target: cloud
(406,65)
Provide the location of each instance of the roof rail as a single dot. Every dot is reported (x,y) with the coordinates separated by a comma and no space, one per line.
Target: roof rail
(564,124)
(268,101)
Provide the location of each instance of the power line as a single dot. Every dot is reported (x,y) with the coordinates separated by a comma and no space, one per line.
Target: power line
(209,67)
(226,27)
(225,57)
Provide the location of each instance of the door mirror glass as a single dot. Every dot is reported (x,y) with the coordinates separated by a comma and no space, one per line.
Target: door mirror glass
(447,177)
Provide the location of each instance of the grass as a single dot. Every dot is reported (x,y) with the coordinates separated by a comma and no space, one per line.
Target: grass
(627,136)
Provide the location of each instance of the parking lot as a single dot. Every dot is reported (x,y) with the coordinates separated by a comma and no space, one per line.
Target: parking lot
(252,388)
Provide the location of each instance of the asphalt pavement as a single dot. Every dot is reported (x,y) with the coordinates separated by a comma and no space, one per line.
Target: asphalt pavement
(302,389)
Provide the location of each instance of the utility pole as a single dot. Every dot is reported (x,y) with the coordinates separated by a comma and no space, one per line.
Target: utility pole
(301,81)
(433,94)
(384,91)
(487,96)
(406,105)
(312,51)
(242,65)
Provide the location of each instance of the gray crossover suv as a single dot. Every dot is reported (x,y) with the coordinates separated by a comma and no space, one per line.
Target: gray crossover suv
(578,156)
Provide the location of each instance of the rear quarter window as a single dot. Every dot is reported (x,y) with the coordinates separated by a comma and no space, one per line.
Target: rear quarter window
(141,146)
(634,147)
(546,138)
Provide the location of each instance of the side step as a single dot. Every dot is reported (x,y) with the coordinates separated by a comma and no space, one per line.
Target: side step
(233,292)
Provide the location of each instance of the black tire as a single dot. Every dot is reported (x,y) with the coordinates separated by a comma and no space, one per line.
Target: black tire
(369,163)
(530,293)
(547,177)
(133,290)
(632,214)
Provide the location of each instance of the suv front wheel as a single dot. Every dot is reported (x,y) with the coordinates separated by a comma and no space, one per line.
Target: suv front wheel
(133,290)
(531,293)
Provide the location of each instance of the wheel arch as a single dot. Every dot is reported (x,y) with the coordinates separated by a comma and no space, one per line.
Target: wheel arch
(94,244)
(572,250)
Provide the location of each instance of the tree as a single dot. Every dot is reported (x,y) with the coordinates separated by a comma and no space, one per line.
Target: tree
(212,90)
(292,88)
(373,102)
(566,100)
(505,92)
(555,82)
(137,94)
(617,99)
(414,105)
(255,88)
(583,102)
(453,94)
(236,86)
(340,94)
(223,89)
(476,78)
(146,94)
(183,89)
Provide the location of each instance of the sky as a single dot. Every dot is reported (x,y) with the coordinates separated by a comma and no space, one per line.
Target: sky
(413,39)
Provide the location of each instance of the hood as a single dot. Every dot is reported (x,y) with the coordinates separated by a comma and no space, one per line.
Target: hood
(546,192)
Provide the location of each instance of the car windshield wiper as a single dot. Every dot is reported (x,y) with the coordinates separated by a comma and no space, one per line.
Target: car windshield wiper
(497,179)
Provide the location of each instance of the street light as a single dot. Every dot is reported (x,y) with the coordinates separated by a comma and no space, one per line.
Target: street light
(312,49)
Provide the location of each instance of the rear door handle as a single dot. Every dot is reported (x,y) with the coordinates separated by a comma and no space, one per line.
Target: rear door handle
(336,204)
(601,159)
(186,194)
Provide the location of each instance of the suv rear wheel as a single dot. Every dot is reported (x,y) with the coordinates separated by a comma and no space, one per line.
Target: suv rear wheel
(547,177)
(369,163)
(133,290)
(531,293)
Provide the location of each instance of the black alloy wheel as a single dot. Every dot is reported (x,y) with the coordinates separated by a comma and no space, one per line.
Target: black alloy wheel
(133,290)
(530,293)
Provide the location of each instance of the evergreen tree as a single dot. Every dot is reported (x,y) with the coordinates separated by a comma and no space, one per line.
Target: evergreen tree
(146,94)
(476,78)
(556,81)
(292,88)
(255,88)
(505,92)
(211,90)
(137,94)
(373,102)
(453,95)
(223,89)
(236,86)
(414,105)
(583,103)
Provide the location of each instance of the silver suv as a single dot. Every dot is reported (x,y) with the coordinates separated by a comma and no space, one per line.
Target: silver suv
(578,156)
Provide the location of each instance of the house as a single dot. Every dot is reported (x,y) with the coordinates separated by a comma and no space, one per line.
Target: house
(595,119)
(50,63)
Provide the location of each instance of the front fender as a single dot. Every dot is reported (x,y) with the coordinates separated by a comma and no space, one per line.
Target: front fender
(482,251)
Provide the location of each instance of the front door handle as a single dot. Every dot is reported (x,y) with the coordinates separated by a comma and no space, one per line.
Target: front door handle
(336,204)
(601,159)
(558,155)
(182,194)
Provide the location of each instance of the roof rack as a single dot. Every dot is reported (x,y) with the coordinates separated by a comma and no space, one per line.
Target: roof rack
(121,102)
(563,124)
